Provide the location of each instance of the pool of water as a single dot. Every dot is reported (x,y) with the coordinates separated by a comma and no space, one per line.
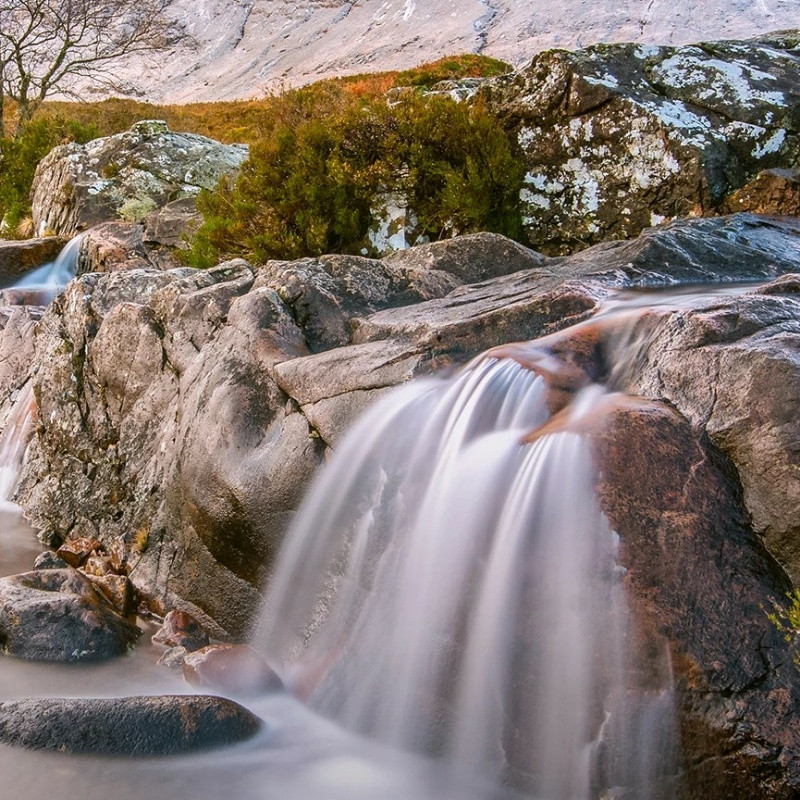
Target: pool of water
(297,756)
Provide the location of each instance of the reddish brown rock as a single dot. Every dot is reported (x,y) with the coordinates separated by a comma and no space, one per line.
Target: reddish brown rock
(76,551)
(181,629)
(97,564)
(699,577)
(232,668)
(773,191)
(118,590)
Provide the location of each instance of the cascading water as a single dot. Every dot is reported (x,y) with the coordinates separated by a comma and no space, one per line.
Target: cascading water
(50,279)
(42,284)
(14,441)
(451,586)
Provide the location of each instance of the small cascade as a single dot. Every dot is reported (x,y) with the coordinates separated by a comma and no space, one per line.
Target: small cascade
(50,279)
(14,441)
(451,586)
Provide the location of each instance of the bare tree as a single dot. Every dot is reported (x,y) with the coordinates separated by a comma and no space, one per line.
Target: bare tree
(49,45)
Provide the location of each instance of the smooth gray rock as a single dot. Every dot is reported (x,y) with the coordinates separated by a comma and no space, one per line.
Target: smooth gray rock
(126,726)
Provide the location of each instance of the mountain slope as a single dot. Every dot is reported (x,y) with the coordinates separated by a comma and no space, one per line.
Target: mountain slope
(245,47)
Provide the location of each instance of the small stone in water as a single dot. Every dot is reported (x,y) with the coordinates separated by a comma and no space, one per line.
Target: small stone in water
(234,668)
(181,629)
(173,658)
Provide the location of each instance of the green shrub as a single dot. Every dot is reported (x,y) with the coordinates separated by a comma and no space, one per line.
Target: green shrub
(329,155)
(19,157)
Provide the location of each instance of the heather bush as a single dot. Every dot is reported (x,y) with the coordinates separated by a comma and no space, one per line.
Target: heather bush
(329,156)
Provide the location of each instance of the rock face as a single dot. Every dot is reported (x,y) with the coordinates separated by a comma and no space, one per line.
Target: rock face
(733,368)
(773,191)
(617,138)
(128,726)
(127,176)
(196,410)
(56,615)
(697,575)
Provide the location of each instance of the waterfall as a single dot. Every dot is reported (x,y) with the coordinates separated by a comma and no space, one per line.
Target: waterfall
(14,441)
(451,586)
(43,284)
(50,279)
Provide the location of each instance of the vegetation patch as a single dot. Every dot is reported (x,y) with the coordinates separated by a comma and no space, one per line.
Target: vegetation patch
(322,157)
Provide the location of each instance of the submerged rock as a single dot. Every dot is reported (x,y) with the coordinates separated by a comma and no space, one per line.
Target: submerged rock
(126,726)
(233,668)
(180,629)
(56,615)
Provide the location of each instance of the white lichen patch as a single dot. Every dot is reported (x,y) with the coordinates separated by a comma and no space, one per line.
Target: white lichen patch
(99,186)
(536,199)
(608,80)
(772,145)
(715,79)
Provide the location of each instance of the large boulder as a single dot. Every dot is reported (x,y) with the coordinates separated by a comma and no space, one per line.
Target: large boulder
(127,176)
(126,726)
(732,366)
(616,138)
(57,615)
(196,410)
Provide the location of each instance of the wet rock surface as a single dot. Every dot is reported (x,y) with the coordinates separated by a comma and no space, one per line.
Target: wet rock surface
(180,629)
(17,258)
(233,668)
(127,726)
(699,577)
(56,615)
(197,410)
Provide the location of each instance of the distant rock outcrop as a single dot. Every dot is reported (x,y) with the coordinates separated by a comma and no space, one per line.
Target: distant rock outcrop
(128,176)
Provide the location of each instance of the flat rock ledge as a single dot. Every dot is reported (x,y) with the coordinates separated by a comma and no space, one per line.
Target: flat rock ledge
(127,726)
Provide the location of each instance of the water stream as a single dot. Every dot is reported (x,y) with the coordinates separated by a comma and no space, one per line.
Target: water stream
(449,610)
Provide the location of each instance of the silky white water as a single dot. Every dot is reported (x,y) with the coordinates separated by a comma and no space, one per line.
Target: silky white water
(50,279)
(450,587)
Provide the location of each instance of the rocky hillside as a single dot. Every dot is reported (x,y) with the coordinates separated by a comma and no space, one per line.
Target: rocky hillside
(241,49)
